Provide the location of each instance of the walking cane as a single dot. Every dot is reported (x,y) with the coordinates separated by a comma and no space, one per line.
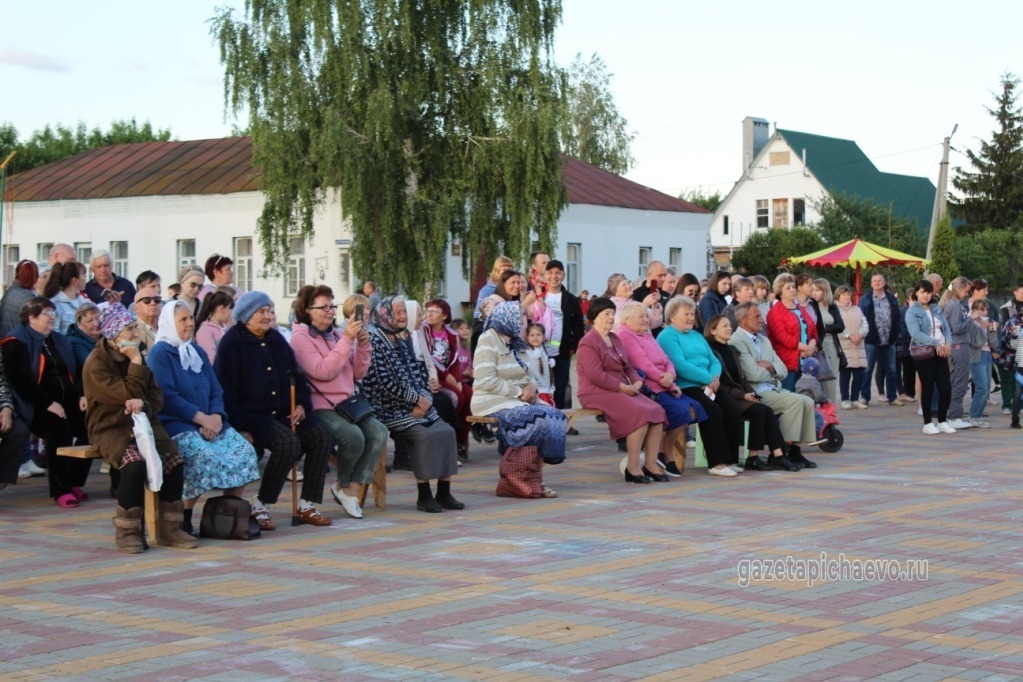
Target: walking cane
(294,465)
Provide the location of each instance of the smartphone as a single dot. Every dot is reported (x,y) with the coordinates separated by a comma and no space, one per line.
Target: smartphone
(654,286)
(109,294)
(359,309)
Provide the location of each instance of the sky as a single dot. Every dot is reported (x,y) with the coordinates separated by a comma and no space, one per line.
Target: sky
(894,76)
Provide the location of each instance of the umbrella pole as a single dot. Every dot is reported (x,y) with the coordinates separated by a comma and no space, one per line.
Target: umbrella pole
(857,301)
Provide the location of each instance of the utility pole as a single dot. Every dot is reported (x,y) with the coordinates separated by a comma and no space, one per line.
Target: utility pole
(941,194)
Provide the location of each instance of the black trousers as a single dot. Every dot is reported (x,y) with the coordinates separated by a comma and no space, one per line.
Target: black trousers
(934,373)
(561,374)
(12,451)
(131,491)
(722,431)
(764,428)
(64,473)
(908,376)
(287,446)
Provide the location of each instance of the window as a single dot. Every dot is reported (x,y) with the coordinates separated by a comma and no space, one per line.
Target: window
(295,275)
(12,254)
(725,225)
(762,213)
(43,252)
(83,254)
(242,258)
(675,259)
(344,268)
(778,159)
(645,256)
(186,252)
(573,257)
(781,212)
(456,250)
(798,211)
(119,253)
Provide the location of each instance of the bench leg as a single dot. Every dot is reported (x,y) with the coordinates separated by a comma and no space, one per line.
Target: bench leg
(379,483)
(152,501)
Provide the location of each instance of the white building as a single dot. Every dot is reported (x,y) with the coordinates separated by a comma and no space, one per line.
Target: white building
(162,205)
(787,173)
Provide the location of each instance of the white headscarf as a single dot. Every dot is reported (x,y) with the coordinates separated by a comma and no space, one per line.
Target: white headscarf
(168,333)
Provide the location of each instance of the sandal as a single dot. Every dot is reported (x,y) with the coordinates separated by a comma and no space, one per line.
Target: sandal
(547,492)
(262,517)
(67,501)
(80,494)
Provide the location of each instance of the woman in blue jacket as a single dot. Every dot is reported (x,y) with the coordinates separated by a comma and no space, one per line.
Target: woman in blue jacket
(929,339)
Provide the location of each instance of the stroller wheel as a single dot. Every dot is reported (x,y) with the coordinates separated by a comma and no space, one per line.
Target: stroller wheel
(835,439)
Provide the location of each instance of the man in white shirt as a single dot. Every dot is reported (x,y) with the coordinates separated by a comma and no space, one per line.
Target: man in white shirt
(568,329)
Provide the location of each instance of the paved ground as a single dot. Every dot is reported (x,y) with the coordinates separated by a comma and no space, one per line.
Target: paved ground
(608,582)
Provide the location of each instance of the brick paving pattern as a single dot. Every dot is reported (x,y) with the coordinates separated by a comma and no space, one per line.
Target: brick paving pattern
(607,582)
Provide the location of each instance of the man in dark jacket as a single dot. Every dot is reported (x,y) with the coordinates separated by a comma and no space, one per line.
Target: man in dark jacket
(568,329)
(656,273)
(881,310)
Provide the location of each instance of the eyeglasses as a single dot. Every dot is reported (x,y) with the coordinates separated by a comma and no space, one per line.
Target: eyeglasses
(434,311)
(325,308)
(49,312)
(150,299)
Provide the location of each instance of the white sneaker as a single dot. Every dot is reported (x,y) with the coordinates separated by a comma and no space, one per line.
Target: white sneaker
(350,503)
(931,429)
(944,427)
(737,468)
(959,424)
(846,405)
(34,469)
(920,411)
(23,471)
(690,444)
(860,404)
(979,424)
(723,471)
(1006,410)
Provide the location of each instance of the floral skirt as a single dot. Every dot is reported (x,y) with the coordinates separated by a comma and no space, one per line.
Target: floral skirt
(539,425)
(228,461)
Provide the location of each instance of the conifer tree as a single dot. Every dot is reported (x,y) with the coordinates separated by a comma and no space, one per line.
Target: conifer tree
(943,260)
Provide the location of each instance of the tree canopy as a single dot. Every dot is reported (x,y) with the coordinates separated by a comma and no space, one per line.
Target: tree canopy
(700,197)
(58,141)
(993,190)
(764,251)
(436,120)
(845,217)
(594,130)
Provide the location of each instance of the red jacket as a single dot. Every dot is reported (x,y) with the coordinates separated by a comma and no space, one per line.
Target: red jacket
(783,332)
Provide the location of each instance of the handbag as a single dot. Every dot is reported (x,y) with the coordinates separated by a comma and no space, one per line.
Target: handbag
(146,443)
(826,371)
(843,362)
(354,408)
(228,518)
(921,352)
(520,473)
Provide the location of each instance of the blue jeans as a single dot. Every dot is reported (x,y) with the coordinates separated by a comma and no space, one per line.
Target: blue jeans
(789,382)
(980,375)
(885,355)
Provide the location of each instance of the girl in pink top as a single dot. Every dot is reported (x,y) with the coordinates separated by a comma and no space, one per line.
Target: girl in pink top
(214,321)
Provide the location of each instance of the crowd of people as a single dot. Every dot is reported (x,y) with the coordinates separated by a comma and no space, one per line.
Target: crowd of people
(743,363)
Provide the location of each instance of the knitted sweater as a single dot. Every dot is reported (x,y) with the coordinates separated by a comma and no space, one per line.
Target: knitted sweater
(499,377)
(184,392)
(695,363)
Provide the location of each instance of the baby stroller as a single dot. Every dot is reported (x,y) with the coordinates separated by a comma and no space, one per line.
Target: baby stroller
(825,415)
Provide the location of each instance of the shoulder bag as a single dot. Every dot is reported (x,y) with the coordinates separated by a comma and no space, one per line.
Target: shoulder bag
(228,518)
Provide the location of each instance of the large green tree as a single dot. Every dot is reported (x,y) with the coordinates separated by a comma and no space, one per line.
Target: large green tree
(594,130)
(943,258)
(764,251)
(58,141)
(993,190)
(844,217)
(701,198)
(437,120)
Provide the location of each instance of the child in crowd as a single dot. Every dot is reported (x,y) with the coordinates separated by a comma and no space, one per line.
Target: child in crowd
(539,363)
(464,332)
(810,385)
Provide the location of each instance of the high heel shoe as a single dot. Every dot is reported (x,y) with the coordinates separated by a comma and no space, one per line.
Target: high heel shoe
(632,478)
(660,478)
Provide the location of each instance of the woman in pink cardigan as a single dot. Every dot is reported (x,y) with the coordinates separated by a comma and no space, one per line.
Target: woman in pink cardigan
(333,360)
(649,360)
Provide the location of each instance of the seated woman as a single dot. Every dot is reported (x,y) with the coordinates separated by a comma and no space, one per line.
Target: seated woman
(763,426)
(442,347)
(19,292)
(64,287)
(397,386)
(214,321)
(190,279)
(13,434)
(619,290)
(118,385)
(698,375)
(607,382)
(503,389)
(791,330)
(216,456)
(257,370)
(333,361)
(41,369)
(643,353)
(84,333)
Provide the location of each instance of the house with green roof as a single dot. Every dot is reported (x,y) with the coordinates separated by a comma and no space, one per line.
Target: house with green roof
(785,175)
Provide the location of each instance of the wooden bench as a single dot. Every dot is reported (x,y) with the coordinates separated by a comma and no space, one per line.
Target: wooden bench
(151,498)
(571,414)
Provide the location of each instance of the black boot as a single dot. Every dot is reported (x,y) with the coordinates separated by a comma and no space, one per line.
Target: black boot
(445,498)
(426,503)
(796,456)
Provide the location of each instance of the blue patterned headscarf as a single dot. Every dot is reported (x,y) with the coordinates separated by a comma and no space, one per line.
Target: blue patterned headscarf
(383,315)
(506,319)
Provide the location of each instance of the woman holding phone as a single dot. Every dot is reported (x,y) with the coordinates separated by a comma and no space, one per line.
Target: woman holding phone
(333,360)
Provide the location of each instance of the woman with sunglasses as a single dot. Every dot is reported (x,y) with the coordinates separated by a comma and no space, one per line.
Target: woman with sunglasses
(191,279)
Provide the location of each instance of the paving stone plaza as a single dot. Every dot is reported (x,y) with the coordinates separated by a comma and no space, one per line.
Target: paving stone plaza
(607,582)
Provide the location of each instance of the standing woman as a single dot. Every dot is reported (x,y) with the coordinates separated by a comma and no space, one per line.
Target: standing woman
(397,386)
(20,292)
(714,302)
(257,370)
(214,321)
(619,291)
(64,288)
(118,384)
(856,329)
(501,265)
(791,330)
(928,328)
(190,279)
(84,333)
(607,382)
(829,326)
(41,368)
(216,457)
(220,272)
(333,361)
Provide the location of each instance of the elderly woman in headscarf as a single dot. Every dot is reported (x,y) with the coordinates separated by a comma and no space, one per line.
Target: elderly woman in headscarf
(216,456)
(503,388)
(398,387)
(118,385)
(257,370)
(191,279)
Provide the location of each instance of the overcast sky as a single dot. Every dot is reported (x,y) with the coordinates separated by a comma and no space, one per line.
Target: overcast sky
(894,76)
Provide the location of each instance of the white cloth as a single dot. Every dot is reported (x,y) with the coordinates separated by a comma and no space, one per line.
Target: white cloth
(553,302)
(167,331)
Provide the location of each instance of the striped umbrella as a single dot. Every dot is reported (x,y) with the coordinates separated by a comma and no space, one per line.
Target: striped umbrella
(857,253)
